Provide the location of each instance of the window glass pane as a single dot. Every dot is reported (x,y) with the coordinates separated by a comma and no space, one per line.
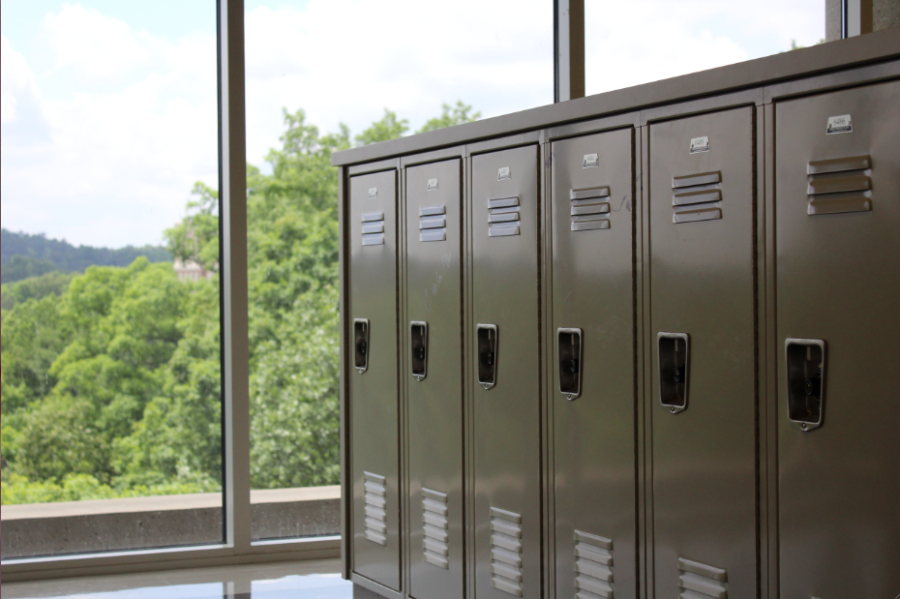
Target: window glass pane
(323,76)
(111,392)
(629,43)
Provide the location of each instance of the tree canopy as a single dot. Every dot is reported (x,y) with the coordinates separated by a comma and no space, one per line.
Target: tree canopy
(111,379)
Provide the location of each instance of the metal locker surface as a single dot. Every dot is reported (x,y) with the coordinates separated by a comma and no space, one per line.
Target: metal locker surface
(373,391)
(506,416)
(594,433)
(702,288)
(435,398)
(838,281)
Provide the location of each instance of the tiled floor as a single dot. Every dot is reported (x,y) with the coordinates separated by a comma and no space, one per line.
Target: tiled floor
(289,580)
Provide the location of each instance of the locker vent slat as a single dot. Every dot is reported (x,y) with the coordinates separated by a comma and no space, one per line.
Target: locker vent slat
(506,551)
(376,516)
(701,581)
(839,185)
(590,208)
(373,228)
(432,223)
(697,198)
(593,566)
(436,536)
(503,217)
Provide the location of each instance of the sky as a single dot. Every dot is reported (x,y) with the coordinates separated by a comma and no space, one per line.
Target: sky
(109,107)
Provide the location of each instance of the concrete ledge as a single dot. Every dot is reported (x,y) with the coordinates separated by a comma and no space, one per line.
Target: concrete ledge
(166,521)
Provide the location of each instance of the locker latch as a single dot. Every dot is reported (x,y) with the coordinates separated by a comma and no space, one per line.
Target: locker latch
(486,338)
(361,344)
(569,353)
(674,370)
(805,360)
(418,331)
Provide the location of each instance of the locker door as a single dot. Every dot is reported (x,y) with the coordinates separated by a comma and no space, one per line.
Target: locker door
(837,212)
(704,346)
(373,377)
(593,367)
(506,372)
(434,371)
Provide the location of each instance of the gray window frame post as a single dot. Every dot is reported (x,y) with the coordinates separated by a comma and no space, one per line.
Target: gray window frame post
(568,50)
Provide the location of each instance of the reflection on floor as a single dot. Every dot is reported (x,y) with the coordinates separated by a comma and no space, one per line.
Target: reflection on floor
(289,580)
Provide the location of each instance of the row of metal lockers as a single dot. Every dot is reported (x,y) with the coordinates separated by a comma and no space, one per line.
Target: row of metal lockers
(649,361)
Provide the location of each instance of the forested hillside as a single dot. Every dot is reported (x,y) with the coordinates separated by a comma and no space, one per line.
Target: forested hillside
(23,255)
(111,378)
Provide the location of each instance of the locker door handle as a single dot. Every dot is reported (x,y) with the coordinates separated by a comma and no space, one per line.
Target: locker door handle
(486,336)
(569,353)
(361,344)
(805,361)
(418,332)
(674,370)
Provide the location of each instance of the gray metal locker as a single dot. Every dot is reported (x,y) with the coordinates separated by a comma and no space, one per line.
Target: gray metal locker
(837,210)
(434,371)
(373,380)
(703,396)
(506,373)
(593,365)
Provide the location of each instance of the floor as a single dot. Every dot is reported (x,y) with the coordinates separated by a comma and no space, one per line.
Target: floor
(289,580)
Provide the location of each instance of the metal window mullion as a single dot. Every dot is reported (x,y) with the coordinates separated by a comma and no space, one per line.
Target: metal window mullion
(233,260)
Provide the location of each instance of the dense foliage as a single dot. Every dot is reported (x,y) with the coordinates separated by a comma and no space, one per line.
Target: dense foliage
(111,378)
(23,255)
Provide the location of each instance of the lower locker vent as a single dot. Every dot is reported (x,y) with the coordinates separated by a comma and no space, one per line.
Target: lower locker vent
(699,581)
(593,566)
(376,516)
(506,551)
(436,539)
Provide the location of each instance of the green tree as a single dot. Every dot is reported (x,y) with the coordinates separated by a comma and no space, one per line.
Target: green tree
(450,116)
(385,129)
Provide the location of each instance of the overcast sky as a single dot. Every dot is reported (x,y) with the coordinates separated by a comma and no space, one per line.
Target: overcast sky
(109,107)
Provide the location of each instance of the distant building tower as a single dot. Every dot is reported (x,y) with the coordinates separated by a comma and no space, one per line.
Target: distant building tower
(188,270)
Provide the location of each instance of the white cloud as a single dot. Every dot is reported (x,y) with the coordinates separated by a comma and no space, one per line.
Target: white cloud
(130,125)
(103,145)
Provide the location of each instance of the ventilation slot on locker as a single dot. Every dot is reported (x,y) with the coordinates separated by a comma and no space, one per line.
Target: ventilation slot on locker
(699,581)
(593,566)
(506,551)
(697,198)
(503,217)
(839,185)
(376,516)
(373,228)
(436,539)
(590,208)
(432,223)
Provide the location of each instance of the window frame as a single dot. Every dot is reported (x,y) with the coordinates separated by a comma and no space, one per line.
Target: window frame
(237,546)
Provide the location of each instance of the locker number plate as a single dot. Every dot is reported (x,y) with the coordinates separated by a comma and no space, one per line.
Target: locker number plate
(839,124)
(590,161)
(503,173)
(699,144)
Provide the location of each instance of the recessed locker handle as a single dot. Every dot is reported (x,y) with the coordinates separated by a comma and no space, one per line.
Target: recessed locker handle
(805,361)
(418,333)
(361,344)
(674,370)
(569,353)
(486,336)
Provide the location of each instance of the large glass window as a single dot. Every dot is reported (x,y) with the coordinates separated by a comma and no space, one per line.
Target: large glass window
(111,388)
(629,43)
(324,76)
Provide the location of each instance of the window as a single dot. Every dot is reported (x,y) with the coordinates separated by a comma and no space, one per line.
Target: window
(111,399)
(629,43)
